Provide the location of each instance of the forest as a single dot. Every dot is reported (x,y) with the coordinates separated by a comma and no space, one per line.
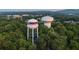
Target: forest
(61,36)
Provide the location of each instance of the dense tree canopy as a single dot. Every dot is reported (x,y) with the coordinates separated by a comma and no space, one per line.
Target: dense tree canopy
(13,35)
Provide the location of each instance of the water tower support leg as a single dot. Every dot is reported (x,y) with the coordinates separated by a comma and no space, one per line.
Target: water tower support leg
(37,32)
(32,36)
(27,33)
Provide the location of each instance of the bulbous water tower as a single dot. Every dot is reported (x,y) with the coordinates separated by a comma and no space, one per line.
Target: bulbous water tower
(47,21)
(32,24)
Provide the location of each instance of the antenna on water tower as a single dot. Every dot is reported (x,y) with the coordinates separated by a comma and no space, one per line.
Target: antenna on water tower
(47,21)
(32,24)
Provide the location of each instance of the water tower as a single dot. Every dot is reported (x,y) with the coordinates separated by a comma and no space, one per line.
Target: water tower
(32,25)
(47,21)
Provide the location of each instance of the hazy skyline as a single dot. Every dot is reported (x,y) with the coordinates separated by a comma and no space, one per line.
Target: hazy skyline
(7,10)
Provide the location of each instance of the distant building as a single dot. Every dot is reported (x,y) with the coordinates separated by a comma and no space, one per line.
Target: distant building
(25,15)
(9,17)
(17,17)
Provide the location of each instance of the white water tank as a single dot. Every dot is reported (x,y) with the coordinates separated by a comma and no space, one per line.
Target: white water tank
(32,24)
(47,20)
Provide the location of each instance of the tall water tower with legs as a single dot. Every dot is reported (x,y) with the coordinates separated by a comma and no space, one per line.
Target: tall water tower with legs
(32,30)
